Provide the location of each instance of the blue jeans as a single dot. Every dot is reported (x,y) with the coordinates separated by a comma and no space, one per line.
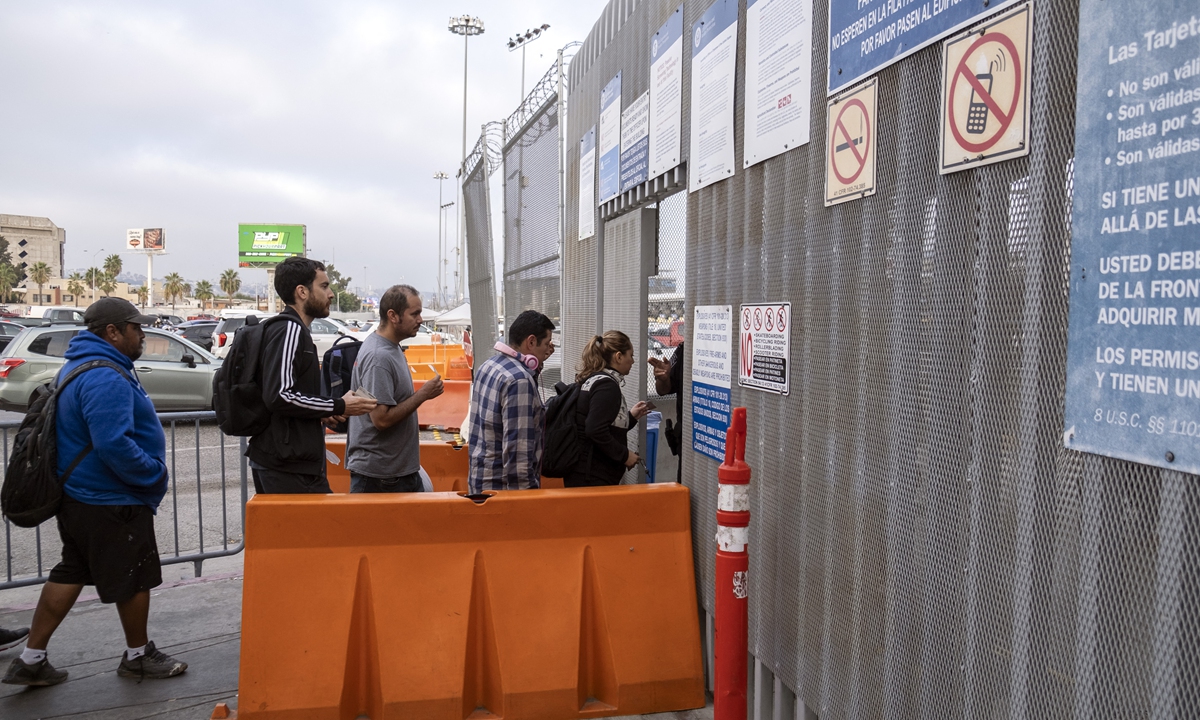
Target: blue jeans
(367,484)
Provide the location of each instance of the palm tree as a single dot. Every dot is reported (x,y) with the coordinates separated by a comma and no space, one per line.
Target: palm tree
(143,294)
(204,292)
(112,265)
(173,288)
(92,277)
(8,279)
(107,284)
(39,273)
(230,283)
(75,286)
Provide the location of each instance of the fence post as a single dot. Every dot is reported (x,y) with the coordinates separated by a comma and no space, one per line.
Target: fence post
(733,562)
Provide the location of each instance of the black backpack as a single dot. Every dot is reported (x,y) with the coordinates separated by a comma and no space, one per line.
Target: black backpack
(237,388)
(32,491)
(563,445)
(336,366)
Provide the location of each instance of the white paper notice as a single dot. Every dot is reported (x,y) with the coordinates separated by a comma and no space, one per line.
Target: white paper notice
(610,140)
(778,77)
(635,139)
(666,94)
(587,184)
(714,67)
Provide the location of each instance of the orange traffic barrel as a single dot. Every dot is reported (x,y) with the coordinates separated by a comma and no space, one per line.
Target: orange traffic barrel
(537,604)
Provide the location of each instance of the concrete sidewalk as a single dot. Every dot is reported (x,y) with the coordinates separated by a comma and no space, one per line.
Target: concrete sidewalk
(197,620)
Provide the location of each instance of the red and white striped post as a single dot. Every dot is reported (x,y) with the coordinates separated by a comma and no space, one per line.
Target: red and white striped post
(733,562)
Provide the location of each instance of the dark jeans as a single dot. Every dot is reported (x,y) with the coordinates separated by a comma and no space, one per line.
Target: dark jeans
(286,483)
(368,484)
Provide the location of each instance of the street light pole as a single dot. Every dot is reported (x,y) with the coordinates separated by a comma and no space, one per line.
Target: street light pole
(466,26)
(440,176)
(94,255)
(520,41)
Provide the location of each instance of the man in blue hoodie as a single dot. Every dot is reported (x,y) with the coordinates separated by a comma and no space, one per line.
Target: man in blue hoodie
(107,516)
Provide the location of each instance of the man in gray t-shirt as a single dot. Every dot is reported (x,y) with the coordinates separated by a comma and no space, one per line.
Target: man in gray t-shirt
(383,450)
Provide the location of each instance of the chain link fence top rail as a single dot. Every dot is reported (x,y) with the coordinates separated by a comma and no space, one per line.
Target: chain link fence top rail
(921,545)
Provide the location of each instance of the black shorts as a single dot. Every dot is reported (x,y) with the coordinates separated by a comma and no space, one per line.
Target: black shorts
(109,546)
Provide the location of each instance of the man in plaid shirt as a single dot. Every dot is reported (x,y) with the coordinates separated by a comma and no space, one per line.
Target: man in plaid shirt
(508,418)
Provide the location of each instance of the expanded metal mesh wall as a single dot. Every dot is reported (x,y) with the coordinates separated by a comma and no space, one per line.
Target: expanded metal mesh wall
(480,261)
(531,197)
(921,544)
(628,261)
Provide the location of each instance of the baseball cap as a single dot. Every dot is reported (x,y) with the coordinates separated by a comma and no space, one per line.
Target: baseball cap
(114,311)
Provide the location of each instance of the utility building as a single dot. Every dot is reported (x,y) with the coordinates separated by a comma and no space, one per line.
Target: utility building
(34,239)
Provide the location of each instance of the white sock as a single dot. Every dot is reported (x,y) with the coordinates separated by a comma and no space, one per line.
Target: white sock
(29,656)
(135,653)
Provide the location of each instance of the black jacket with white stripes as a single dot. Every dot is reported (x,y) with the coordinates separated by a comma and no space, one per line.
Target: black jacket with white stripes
(291,383)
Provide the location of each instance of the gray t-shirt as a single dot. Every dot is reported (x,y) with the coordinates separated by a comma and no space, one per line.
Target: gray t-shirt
(382,370)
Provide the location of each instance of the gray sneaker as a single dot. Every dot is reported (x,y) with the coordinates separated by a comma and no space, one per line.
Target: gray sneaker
(155,665)
(39,674)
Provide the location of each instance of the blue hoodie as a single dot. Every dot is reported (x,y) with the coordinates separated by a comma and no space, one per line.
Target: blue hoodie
(127,465)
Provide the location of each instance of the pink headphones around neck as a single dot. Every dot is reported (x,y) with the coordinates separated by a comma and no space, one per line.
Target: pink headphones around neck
(528,361)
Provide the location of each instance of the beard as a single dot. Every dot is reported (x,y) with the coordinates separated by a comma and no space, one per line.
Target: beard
(314,308)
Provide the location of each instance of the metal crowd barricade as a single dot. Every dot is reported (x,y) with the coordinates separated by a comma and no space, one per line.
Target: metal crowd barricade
(30,553)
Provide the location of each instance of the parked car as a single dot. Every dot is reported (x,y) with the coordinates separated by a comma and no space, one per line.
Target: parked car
(227,327)
(198,331)
(8,331)
(670,334)
(176,372)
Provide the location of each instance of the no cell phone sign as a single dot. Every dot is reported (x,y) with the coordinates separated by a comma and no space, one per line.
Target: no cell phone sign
(985,92)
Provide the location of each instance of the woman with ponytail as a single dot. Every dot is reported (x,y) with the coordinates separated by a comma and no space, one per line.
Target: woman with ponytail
(603,417)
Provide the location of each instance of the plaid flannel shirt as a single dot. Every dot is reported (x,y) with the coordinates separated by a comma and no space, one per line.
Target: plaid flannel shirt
(507,424)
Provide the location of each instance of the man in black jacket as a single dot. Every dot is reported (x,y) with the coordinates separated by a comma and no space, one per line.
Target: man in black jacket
(289,456)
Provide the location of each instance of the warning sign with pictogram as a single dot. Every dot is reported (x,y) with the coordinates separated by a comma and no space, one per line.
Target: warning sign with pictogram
(985,92)
(765,347)
(850,145)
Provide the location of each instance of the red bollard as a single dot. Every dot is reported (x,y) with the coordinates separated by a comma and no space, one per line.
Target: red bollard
(733,563)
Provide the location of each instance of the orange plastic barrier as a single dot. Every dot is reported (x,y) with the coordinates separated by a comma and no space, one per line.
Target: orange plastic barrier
(447,410)
(534,604)
(447,360)
(446,466)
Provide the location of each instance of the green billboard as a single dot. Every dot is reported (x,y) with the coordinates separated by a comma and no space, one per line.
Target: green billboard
(265,246)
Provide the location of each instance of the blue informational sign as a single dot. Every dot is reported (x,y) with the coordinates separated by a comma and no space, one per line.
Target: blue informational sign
(712,352)
(716,20)
(710,419)
(1133,352)
(667,35)
(635,142)
(867,35)
(610,139)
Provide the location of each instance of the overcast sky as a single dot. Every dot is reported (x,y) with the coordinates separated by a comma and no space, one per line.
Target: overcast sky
(195,116)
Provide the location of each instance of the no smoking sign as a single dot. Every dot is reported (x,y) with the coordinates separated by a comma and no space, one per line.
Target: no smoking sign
(985,92)
(850,142)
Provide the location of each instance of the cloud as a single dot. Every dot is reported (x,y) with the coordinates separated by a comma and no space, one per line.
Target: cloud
(194,117)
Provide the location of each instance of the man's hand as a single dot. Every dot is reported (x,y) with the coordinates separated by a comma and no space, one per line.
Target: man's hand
(662,376)
(662,368)
(640,410)
(333,420)
(432,388)
(631,459)
(356,405)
